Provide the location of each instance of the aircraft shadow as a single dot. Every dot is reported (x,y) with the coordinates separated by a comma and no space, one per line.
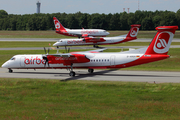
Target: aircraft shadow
(80,76)
(85,74)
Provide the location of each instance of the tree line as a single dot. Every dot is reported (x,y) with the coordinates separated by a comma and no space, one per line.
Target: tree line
(118,21)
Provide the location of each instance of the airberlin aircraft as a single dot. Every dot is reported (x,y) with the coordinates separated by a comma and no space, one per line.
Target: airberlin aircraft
(94,59)
(78,32)
(102,40)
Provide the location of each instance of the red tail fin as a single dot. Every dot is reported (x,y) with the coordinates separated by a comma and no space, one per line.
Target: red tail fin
(58,25)
(133,32)
(162,40)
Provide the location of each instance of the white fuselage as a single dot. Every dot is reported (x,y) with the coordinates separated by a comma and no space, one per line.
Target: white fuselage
(89,32)
(76,42)
(96,60)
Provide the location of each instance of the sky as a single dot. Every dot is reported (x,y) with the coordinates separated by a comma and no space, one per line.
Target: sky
(87,6)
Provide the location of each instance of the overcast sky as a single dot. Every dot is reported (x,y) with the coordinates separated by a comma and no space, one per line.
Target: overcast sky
(87,6)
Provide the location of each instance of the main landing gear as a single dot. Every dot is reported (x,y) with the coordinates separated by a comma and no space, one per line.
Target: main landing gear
(95,46)
(72,73)
(10,70)
(90,70)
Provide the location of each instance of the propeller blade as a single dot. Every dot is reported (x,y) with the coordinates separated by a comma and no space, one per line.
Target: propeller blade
(45,50)
(45,64)
(68,50)
(46,60)
(48,51)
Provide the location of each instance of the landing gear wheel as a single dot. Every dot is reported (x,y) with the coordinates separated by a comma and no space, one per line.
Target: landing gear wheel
(90,70)
(95,46)
(72,74)
(10,70)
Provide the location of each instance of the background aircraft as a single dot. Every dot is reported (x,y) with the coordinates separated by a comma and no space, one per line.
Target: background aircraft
(102,40)
(78,32)
(91,60)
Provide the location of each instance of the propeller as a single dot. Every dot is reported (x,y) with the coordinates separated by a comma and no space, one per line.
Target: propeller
(46,60)
(45,57)
(45,50)
(67,50)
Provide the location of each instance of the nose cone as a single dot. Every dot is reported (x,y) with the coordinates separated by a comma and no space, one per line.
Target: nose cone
(107,33)
(5,65)
(56,44)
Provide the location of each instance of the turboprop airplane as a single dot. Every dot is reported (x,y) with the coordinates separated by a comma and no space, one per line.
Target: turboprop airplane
(78,32)
(157,50)
(102,40)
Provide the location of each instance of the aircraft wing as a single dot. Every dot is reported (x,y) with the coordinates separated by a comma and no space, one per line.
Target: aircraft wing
(70,58)
(63,55)
(91,51)
(121,35)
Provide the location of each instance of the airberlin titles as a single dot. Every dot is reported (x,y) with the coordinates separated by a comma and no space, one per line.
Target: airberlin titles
(89,31)
(32,60)
(75,42)
(36,60)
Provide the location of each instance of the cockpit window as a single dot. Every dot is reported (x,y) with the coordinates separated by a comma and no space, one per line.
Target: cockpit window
(60,40)
(13,58)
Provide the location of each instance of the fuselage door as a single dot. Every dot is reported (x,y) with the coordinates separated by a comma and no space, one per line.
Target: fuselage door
(22,64)
(112,60)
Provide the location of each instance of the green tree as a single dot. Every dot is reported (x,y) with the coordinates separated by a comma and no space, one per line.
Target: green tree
(178,17)
(115,22)
(156,20)
(83,21)
(147,24)
(73,22)
(123,21)
(95,21)
(3,14)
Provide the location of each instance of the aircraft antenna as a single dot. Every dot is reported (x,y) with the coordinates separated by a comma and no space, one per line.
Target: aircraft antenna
(123,9)
(128,9)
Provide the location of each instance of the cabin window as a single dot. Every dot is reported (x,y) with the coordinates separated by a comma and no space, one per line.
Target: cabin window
(13,58)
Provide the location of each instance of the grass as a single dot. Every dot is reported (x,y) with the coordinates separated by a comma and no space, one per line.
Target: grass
(52,34)
(53,99)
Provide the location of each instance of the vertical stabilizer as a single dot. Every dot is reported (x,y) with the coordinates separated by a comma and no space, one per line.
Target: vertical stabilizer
(59,27)
(162,40)
(133,32)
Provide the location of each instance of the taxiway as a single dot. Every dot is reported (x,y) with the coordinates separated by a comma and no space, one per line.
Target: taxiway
(98,75)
